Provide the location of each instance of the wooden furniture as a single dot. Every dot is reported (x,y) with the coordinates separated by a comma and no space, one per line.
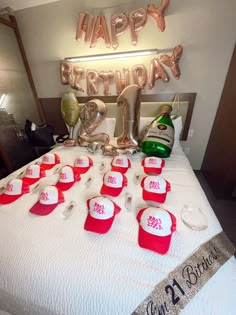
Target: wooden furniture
(219,164)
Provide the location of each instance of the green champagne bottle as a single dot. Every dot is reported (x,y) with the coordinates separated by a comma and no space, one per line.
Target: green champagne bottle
(159,137)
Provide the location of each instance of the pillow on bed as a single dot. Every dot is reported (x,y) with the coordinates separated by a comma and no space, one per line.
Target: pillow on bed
(177,122)
(107,126)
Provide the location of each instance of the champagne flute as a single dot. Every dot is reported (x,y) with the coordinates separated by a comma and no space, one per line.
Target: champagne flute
(70,110)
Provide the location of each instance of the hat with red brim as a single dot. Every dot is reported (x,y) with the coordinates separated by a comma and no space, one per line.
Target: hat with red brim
(120,164)
(33,173)
(113,183)
(49,199)
(50,160)
(83,163)
(155,188)
(156,227)
(153,165)
(67,177)
(101,214)
(14,190)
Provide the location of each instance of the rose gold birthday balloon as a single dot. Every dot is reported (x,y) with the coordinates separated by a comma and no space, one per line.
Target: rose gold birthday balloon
(92,82)
(156,72)
(173,61)
(106,76)
(78,72)
(66,72)
(139,75)
(122,80)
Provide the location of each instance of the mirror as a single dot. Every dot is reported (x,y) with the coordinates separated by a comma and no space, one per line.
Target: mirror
(17,98)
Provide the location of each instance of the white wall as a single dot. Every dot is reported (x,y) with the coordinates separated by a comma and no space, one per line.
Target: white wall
(206,29)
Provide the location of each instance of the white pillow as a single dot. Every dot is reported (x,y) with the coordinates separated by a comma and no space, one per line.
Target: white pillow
(177,122)
(144,122)
(178,125)
(107,126)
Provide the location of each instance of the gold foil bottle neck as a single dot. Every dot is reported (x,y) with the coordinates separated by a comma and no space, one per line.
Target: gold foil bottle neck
(166,108)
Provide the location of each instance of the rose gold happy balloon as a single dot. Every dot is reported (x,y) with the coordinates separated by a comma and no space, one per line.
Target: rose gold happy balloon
(159,13)
(100,31)
(92,115)
(119,24)
(137,20)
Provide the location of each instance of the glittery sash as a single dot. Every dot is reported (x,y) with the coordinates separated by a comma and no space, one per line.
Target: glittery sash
(173,293)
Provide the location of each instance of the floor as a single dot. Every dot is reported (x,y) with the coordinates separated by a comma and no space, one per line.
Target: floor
(225,210)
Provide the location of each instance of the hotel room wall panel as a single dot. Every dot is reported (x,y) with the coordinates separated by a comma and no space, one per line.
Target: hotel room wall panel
(219,164)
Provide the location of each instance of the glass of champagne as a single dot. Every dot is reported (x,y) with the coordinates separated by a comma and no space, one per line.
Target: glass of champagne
(70,110)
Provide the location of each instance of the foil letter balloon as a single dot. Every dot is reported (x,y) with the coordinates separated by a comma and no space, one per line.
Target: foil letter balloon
(173,61)
(157,72)
(100,31)
(137,20)
(122,81)
(158,13)
(66,72)
(78,72)
(139,75)
(70,111)
(129,101)
(85,25)
(92,115)
(106,76)
(92,82)
(119,24)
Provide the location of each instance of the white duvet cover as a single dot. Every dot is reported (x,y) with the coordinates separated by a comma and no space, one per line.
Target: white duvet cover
(49,265)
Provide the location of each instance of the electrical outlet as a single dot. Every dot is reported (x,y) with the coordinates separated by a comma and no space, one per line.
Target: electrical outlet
(187,150)
(190,132)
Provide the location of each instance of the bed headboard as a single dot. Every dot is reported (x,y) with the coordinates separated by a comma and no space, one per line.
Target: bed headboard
(150,106)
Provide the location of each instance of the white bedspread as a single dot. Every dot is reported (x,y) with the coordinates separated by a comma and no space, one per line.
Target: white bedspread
(49,265)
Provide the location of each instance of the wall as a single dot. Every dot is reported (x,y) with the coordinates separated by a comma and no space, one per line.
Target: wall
(206,29)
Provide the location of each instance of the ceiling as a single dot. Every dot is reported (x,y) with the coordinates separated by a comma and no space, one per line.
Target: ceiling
(22,4)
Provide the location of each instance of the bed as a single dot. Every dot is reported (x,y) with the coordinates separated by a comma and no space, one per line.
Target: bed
(52,265)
